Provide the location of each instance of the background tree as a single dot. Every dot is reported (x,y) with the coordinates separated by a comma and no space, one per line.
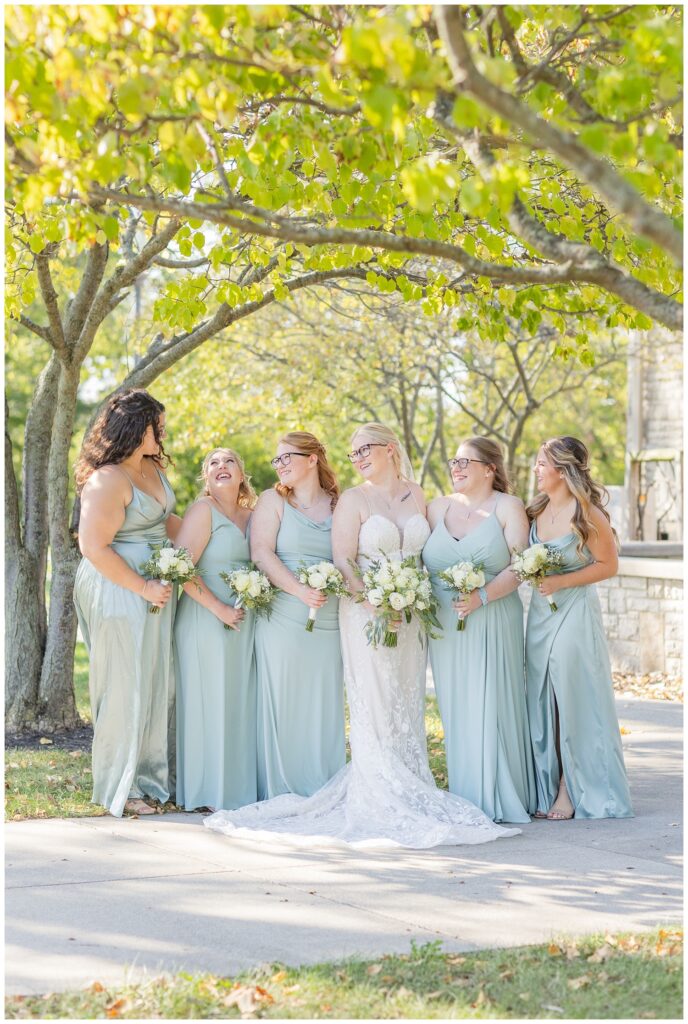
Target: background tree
(530,156)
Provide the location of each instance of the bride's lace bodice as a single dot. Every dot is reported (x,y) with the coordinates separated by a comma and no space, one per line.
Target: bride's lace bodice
(386,796)
(380,536)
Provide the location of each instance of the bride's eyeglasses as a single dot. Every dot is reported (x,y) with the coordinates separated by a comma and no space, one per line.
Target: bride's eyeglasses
(364,451)
(463,463)
(284,460)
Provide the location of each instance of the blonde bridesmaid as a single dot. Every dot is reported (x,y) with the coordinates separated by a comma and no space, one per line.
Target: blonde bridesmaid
(215,666)
(579,763)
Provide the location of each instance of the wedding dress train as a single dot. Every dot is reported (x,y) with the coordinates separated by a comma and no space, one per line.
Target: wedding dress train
(386,795)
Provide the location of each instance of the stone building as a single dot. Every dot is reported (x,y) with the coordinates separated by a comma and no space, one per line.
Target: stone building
(643,604)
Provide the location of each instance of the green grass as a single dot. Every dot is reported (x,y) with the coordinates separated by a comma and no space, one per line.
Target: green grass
(83,703)
(49,783)
(55,783)
(597,977)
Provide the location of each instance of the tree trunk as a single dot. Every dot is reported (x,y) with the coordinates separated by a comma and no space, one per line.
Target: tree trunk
(26,557)
(57,706)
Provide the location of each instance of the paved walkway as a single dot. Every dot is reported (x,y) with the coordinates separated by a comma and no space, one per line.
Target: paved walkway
(98,898)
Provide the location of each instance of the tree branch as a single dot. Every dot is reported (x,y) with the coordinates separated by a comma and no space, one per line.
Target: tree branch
(620,195)
(162,357)
(124,275)
(618,281)
(35,328)
(45,281)
(90,282)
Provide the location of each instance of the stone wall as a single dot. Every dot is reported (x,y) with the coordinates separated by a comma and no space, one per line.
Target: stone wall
(642,610)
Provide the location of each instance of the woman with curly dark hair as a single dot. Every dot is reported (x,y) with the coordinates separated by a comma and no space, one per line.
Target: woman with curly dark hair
(579,766)
(126,507)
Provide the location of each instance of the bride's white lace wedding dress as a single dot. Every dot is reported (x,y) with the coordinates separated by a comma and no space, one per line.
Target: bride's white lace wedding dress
(386,795)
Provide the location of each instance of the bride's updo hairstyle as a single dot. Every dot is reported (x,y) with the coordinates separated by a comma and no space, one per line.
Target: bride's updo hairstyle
(308,444)
(489,451)
(381,434)
(570,457)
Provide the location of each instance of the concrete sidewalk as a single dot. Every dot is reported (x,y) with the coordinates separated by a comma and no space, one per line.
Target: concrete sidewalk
(98,898)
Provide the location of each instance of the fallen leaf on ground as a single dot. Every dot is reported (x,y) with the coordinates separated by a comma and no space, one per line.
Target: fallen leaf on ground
(600,955)
(97,986)
(44,741)
(580,982)
(554,950)
(374,969)
(554,1009)
(280,976)
(247,998)
(115,1009)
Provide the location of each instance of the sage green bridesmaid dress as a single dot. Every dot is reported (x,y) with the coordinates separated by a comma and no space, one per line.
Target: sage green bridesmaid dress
(479,680)
(300,675)
(216,685)
(567,663)
(131,671)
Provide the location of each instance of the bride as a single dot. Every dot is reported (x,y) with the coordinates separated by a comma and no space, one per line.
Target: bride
(386,795)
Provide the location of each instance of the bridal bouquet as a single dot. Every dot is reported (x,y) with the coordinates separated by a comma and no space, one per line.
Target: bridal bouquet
(252,588)
(536,562)
(462,578)
(396,588)
(171,565)
(326,578)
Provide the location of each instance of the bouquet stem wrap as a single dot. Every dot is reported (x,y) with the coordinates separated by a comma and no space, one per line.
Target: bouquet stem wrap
(325,577)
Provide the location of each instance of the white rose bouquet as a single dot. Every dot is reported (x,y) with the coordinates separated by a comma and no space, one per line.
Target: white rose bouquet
(395,589)
(534,563)
(171,565)
(325,577)
(252,588)
(463,578)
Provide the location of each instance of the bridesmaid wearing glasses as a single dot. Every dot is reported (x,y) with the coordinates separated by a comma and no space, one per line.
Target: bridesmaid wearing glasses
(579,761)
(478,672)
(300,684)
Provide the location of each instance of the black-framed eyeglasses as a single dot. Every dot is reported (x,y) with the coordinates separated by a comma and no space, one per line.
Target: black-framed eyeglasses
(284,460)
(364,451)
(463,463)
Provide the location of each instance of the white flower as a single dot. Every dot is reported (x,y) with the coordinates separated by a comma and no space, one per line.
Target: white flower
(376,597)
(409,597)
(241,580)
(254,589)
(317,580)
(421,606)
(166,558)
(397,601)
(385,576)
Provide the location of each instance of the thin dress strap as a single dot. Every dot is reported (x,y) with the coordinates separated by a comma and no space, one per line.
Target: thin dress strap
(365,495)
(123,470)
(415,502)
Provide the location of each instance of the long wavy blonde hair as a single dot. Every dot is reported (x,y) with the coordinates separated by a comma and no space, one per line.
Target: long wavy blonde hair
(247,497)
(307,443)
(570,457)
(381,434)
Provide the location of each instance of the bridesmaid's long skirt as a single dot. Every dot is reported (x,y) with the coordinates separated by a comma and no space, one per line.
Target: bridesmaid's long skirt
(568,671)
(300,699)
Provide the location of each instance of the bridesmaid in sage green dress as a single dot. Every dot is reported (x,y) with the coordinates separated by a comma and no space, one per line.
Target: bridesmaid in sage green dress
(215,667)
(300,675)
(478,672)
(126,506)
(579,761)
